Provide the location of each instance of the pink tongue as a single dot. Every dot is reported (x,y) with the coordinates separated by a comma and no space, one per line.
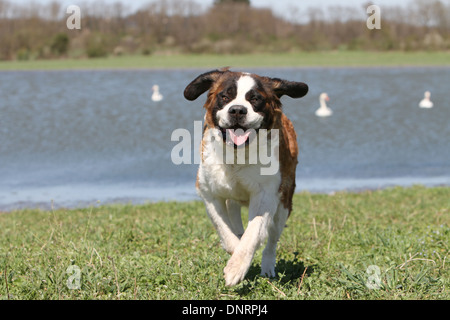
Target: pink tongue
(238,136)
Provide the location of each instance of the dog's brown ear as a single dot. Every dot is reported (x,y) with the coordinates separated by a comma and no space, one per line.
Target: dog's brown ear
(290,88)
(201,84)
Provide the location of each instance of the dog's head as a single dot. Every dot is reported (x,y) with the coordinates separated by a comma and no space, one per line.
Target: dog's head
(240,103)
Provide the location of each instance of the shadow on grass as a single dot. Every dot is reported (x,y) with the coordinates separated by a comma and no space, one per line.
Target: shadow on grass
(289,274)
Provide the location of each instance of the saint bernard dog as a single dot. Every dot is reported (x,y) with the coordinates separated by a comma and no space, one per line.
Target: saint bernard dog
(242,108)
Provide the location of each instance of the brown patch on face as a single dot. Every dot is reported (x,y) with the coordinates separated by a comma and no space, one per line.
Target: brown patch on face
(225,86)
(267,103)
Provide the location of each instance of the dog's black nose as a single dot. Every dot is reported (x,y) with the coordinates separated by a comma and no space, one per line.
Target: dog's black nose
(237,110)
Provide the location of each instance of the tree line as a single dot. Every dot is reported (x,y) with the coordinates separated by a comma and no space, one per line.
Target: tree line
(39,31)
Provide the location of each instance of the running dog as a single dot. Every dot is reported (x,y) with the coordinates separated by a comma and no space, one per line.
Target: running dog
(244,117)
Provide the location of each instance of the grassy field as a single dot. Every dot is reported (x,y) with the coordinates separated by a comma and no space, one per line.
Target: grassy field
(304,59)
(388,244)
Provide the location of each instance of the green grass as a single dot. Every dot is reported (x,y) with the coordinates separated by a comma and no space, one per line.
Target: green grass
(171,251)
(303,59)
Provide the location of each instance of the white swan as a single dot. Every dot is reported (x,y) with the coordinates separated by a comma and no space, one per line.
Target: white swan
(426,102)
(324,111)
(156,96)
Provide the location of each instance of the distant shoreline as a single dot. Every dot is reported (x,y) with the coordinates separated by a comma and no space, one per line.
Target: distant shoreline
(208,68)
(323,59)
(143,196)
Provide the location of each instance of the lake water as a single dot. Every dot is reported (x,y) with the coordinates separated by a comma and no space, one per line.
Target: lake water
(80,138)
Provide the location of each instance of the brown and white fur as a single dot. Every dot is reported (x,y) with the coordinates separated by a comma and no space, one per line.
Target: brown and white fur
(246,101)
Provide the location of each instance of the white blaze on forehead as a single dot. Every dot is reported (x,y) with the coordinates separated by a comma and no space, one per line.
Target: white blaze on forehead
(244,85)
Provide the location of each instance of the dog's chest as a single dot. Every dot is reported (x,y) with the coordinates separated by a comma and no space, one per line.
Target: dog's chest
(234,177)
(234,181)
(227,181)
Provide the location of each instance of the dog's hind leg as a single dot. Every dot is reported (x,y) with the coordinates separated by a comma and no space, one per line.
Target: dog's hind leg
(275,230)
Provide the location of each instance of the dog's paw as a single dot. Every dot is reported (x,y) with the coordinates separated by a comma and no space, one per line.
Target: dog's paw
(235,271)
(268,266)
(268,272)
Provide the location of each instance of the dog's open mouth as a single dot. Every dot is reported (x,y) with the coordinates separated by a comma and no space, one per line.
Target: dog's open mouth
(238,136)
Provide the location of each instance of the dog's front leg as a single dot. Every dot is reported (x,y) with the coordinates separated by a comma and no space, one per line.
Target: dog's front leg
(261,211)
(217,212)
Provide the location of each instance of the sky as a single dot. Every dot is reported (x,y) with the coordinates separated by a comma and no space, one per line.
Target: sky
(279,6)
(292,10)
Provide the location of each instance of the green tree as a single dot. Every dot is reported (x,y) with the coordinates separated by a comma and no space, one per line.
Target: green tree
(60,44)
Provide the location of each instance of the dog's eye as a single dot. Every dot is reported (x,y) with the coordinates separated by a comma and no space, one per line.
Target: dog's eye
(254,100)
(225,99)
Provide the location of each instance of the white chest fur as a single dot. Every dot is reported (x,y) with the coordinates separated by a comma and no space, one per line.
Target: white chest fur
(225,175)
(235,182)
